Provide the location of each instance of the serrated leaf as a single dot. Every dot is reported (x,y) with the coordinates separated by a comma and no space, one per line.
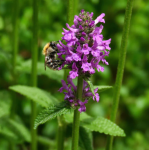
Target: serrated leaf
(69,117)
(85,139)
(18,129)
(90,85)
(37,95)
(26,67)
(5,103)
(51,113)
(102,88)
(105,126)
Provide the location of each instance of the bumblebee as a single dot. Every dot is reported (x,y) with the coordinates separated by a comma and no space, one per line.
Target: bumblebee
(50,50)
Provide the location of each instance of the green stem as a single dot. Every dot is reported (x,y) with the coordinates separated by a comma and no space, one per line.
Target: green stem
(76,118)
(120,69)
(75,7)
(15,21)
(34,72)
(70,13)
(61,133)
(15,36)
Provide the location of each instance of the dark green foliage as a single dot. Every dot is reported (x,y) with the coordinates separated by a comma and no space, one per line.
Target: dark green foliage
(26,68)
(15,130)
(8,134)
(52,112)
(5,103)
(85,139)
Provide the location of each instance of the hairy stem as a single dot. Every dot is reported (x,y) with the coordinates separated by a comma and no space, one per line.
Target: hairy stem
(15,21)
(15,35)
(75,7)
(76,118)
(14,52)
(70,12)
(34,72)
(120,69)
(61,133)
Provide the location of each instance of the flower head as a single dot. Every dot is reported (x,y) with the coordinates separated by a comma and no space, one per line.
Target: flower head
(84,45)
(82,53)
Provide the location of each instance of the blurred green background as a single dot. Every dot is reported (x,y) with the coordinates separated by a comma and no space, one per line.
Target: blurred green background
(134,100)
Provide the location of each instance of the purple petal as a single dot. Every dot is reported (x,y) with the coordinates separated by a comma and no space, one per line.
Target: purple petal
(84,34)
(82,39)
(73,74)
(99,68)
(71,83)
(71,29)
(86,66)
(100,19)
(64,86)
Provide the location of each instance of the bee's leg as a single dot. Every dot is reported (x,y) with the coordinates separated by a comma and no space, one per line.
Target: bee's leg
(55,67)
(50,65)
(56,50)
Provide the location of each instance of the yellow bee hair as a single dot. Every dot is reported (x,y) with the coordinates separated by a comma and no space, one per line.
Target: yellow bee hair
(44,52)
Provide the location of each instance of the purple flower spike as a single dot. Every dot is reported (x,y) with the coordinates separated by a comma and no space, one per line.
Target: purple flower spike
(84,38)
(84,52)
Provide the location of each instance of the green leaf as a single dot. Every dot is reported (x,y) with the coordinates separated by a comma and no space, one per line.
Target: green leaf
(85,139)
(90,85)
(8,134)
(51,113)
(37,95)
(69,117)
(102,88)
(18,129)
(5,103)
(53,74)
(103,125)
